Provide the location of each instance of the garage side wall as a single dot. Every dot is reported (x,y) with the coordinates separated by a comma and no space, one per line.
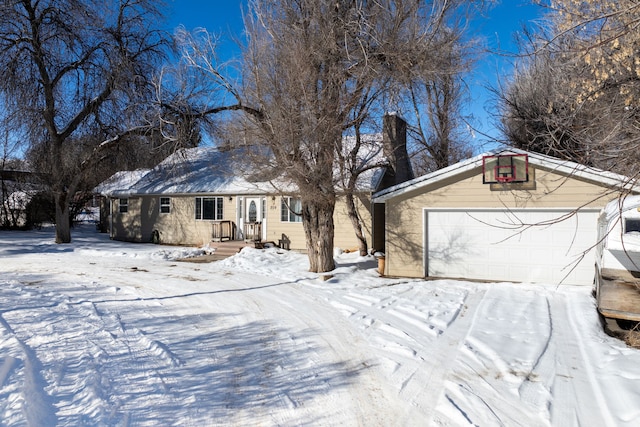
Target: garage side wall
(405,227)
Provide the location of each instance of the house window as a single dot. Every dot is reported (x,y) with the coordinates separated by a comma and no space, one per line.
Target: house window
(631,225)
(209,207)
(165,205)
(124,205)
(289,209)
(253,211)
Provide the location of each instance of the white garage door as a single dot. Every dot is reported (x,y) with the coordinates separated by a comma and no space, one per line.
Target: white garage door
(493,245)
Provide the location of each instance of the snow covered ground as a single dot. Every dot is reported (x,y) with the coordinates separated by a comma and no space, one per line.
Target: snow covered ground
(107,333)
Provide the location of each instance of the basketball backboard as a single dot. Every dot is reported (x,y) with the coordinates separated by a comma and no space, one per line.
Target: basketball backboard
(505,169)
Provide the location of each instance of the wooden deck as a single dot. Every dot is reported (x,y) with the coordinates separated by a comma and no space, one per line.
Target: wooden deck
(222,250)
(227,248)
(618,294)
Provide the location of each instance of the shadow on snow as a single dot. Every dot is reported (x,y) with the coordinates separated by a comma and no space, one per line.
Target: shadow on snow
(140,363)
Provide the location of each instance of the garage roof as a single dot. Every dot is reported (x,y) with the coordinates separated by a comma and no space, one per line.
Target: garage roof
(564,167)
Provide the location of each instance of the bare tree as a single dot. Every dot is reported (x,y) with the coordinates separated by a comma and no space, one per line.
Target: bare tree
(359,154)
(577,91)
(436,97)
(313,72)
(10,146)
(308,67)
(538,107)
(76,71)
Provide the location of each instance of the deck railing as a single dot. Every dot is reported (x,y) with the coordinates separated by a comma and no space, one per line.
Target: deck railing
(223,230)
(252,231)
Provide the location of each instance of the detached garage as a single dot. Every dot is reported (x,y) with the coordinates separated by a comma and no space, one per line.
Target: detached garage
(501,216)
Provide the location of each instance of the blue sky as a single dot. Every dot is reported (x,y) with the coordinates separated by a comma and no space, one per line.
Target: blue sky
(497,29)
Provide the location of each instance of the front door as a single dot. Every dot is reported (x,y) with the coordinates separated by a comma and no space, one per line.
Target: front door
(253,219)
(252,209)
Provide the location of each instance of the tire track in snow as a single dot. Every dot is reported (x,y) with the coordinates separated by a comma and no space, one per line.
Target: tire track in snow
(370,395)
(543,370)
(441,360)
(424,388)
(419,347)
(521,381)
(574,379)
(485,387)
(91,384)
(338,362)
(387,327)
(390,321)
(137,367)
(490,387)
(36,404)
(561,378)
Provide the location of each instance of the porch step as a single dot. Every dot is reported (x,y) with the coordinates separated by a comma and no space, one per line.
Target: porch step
(225,250)
(229,248)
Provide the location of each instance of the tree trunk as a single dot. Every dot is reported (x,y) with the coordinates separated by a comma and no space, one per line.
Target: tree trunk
(63,228)
(352,212)
(317,220)
(5,205)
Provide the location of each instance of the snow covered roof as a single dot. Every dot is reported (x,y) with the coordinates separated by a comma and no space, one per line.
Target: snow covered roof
(553,164)
(199,170)
(119,182)
(370,162)
(209,170)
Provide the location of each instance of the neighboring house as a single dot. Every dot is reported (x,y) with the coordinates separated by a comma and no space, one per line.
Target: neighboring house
(508,215)
(202,194)
(13,211)
(16,191)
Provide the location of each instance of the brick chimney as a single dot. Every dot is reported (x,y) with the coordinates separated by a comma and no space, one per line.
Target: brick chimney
(394,145)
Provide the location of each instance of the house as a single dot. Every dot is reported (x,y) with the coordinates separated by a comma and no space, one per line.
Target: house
(507,215)
(17,188)
(116,183)
(202,194)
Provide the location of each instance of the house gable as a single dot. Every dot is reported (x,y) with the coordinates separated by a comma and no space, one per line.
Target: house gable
(551,189)
(544,168)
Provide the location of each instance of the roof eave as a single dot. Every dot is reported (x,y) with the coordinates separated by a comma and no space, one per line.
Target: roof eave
(433,177)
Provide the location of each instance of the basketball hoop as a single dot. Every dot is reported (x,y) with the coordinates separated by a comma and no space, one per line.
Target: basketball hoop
(504,173)
(505,169)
